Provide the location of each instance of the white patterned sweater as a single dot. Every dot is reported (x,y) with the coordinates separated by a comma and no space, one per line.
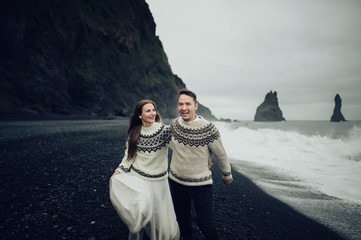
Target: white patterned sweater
(151,160)
(193,145)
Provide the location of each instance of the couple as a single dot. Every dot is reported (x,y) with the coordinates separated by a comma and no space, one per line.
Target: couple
(139,188)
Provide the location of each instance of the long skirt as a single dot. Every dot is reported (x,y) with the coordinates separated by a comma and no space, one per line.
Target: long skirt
(144,206)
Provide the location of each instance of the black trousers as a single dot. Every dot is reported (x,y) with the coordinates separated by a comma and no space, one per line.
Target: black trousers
(202,197)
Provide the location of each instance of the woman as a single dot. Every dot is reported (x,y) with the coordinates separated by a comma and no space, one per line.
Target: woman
(139,189)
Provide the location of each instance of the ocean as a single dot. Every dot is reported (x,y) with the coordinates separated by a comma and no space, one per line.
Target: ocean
(314,166)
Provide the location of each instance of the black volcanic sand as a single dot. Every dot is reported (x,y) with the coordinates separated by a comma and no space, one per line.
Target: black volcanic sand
(54,185)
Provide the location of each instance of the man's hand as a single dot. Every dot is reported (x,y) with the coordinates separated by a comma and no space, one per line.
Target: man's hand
(227,182)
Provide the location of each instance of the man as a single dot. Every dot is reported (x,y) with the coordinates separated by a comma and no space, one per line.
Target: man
(194,141)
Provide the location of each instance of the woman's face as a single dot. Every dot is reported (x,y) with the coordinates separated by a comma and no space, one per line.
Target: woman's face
(148,115)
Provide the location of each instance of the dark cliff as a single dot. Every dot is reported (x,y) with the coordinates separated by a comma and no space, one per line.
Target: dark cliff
(337,115)
(83,56)
(269,110)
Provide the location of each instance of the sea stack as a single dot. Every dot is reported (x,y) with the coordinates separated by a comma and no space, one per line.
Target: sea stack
(337,115)
(269,111)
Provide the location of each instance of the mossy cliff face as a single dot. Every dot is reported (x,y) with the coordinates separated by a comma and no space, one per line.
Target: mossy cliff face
(79,56)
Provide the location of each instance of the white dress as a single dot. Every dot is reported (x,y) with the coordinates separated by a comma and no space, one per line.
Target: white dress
(141,195)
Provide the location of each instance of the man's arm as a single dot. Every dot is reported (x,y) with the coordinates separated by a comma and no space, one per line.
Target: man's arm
(220,155)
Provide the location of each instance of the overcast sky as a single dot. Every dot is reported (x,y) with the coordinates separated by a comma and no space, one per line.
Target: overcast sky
(232,52)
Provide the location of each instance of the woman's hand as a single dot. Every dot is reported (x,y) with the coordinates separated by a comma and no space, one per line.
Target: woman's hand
(115,173)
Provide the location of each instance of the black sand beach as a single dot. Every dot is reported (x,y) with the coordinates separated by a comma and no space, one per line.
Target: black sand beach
(54,185)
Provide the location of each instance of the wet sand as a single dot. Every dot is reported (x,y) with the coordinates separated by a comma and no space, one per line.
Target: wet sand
(341,215)
(54,185)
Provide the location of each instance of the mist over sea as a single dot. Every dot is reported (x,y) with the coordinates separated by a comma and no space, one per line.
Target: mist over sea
(314,166)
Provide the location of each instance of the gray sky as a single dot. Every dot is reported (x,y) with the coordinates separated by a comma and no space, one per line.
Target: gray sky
(232,52)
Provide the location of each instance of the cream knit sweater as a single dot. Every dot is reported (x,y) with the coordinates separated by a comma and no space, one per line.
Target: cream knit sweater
(193,144)
(151,160)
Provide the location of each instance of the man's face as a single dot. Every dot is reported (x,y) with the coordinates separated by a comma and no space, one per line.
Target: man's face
(187,107)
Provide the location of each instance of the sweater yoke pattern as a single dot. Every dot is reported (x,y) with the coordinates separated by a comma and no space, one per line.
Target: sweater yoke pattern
(156,141)
(194,137)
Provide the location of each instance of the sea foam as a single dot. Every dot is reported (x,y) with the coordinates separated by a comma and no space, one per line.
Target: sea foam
(329,164)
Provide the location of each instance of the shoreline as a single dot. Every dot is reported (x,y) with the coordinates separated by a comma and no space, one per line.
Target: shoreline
(261,215)
(55,186)
(340,215)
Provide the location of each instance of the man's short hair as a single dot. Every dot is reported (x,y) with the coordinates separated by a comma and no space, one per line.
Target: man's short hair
(189,93)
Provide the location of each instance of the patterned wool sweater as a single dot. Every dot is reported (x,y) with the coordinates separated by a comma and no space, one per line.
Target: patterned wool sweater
(151,160)
(193,144)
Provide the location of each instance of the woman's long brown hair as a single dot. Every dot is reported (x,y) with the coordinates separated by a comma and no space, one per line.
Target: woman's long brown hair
(135,126)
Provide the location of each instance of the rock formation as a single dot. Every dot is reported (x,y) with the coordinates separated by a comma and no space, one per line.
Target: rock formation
(83,56)
(337,115)
(269,110)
